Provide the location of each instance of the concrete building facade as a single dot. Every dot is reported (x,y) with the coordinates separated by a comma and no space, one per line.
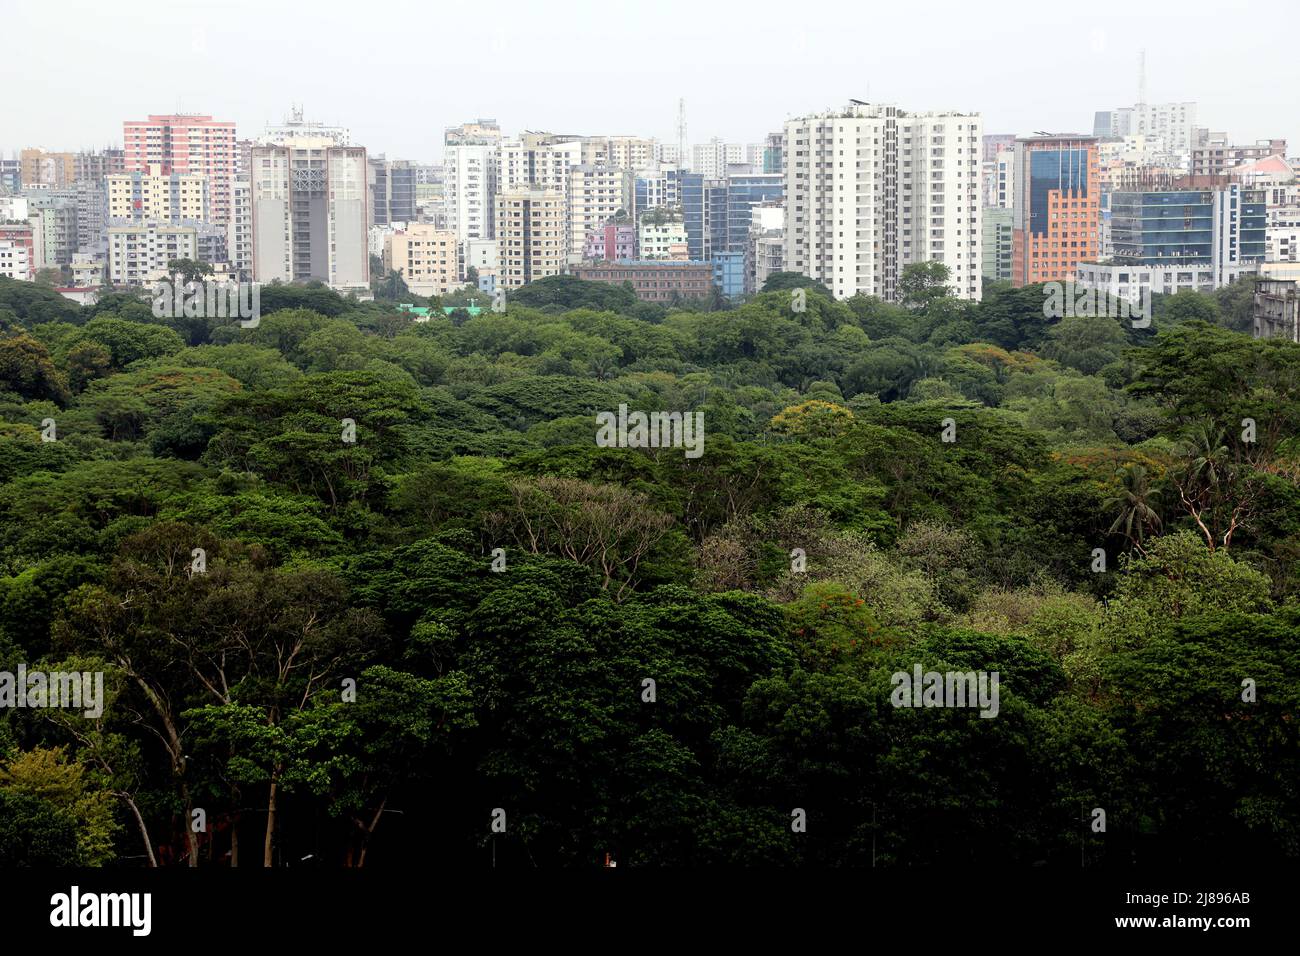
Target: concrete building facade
(427,257)
(310,208)
(138,253)
(186,143)
(873,189)
(471,184)
(532,234)
(654,281)
(152,194)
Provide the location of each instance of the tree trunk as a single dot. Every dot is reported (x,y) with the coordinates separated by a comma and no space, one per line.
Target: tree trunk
(368,832)
(144,831)
(191,838)
(270,818)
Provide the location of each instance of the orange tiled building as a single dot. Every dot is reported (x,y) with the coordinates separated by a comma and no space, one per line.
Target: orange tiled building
(1057,208)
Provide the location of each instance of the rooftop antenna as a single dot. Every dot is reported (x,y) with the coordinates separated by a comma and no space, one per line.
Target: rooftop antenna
(1142,78)
(681,133)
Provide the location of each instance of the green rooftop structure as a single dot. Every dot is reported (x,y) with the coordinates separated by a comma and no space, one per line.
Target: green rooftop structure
(424,312)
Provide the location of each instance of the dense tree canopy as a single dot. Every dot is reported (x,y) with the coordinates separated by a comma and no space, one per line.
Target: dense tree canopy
(356,581)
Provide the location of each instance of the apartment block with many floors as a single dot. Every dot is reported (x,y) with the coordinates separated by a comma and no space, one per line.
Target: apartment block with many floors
(310,213)
(40,168)
(662,235)
(163,197)
(56,211)
(94,165)
(1215,156)
(625,152)
(138,253)
(92,214)
(18,259)
(470,187)
(426,256)
(611,242)
(532,236)
(186,144)
(597,193)
(239,231)
(871,189)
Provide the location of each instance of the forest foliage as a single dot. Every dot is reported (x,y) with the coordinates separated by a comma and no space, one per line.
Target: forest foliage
(390,638)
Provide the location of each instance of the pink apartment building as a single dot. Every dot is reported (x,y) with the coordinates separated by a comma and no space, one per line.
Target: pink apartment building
(186,143)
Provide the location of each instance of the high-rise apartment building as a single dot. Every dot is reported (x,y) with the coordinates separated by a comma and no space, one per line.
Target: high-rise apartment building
(766,250)
(871,189)
(714,159)
(239,231)
(469,189)
(426,256)
(1173,124)
(56,211)
(151,194)
(310,209)
(186,143)
(999,170)
(296,127)
(11,175)
(1057,207)
(998,244)
(773,151)
(656,188)
(92,214)
(539,160)
(94,165)
(1215,156)
(138,253)
(40,168)
(597,193)
(669,155)
(625,152)
(18,252)
(532,235)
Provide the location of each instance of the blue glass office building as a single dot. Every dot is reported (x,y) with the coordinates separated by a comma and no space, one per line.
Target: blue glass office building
(1188,226)
(744,192)
(729,273)
(704,213)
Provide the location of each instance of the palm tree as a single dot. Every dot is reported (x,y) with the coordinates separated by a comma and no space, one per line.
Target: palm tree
(1215,486)
(1136,505)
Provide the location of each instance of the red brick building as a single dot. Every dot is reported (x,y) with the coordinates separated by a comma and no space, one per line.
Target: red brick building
(654,280)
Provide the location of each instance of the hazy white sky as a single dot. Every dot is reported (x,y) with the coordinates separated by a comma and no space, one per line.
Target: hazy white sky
(396,72)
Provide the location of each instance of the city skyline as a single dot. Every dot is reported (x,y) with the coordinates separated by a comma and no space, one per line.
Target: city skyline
(817,68)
